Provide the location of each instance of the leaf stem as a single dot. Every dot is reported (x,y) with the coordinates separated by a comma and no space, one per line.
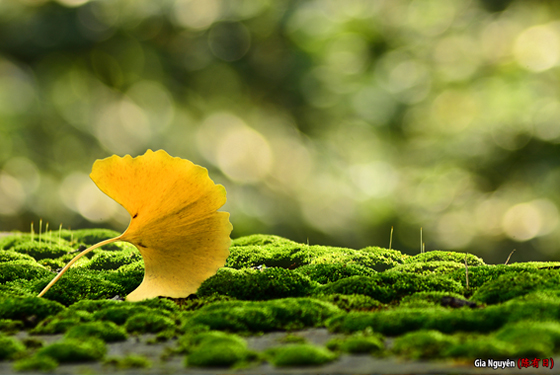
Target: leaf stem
(74,260)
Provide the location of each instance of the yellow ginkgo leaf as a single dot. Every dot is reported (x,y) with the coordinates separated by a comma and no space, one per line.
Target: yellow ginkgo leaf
(174,220)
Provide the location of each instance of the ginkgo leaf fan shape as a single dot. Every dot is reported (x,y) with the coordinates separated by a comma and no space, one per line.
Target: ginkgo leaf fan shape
(175,224)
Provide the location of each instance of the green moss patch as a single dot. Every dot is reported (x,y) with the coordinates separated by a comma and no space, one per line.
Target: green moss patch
(514,284)
(265,316)
(423,344)
(42,250)
(22,270)
(215,349)
(10,347)
(299,355)
(248,284)
(365,342)
(107,331)
(446,256)
(36,363)
(29,310)
(328,273)
(149,322)
(386,287)
(74,350)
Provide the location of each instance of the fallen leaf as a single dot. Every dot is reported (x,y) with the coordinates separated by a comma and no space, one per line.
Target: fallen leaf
(175,224)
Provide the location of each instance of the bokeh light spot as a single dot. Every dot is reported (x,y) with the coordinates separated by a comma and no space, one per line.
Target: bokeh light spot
(538,48)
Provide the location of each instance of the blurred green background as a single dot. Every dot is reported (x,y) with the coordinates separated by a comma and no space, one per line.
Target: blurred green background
(327,121)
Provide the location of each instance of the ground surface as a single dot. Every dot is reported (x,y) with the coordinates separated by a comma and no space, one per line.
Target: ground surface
(367,311)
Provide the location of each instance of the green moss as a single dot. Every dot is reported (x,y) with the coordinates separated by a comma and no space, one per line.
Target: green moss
(9,326)
(80,284)
(10,347)
(137,266)
(200,302)
(428,268)
(22,269)
(29,310)
(273,251)
(108,260)
(93,236)
(19,288)
(515,284)
(288,255)
(352,302)
(480,346)
(423,344)
(261,240)
(130,362)
(120,314)
(426,299)
(10,256)
(149,322)
(74,350)
(299,355)
(61,322)
(446,256)
(42,250)
(386,287)
(216,349)
(360,343)
(328,273)
(376,258)
(12,241)
(36,363)
(163,305)
(107,331)
(523,336)
(271,283)
(263,316)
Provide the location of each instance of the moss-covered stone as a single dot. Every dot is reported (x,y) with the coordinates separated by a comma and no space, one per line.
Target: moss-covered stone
(376,258)
(428,268)
(446,256)
(74,350)
(479,346)
(366,342)
(36,363)
(79,284)
(149,322)
(93,236)
(328,273)
(42,250)
(120,314)
(263,316)
(351,302)
(531,338)
(29,310)
(248,284)
(299,355)
(105,330)
(10,347)
(61,322)
(110,260)
(426,299)
(386,287)
(514,284)
(423,344)
(9,326)
(22,270)
(10,256)
(215,349)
